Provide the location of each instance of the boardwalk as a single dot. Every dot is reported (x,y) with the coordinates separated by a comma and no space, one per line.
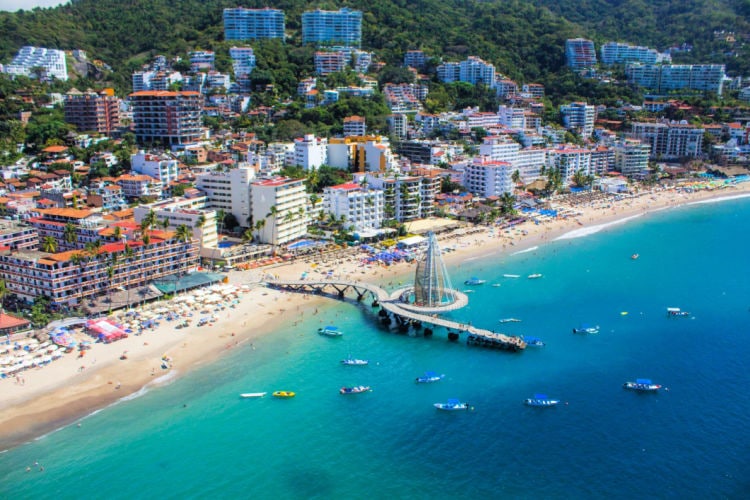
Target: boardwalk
(477,336)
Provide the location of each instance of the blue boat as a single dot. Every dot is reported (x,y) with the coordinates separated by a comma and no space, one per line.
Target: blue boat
(429,377)
(330,331)
(541,400)
(642,385)
(533,341)
(474,281)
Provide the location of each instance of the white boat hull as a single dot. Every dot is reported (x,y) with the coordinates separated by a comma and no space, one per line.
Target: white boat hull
(247,395)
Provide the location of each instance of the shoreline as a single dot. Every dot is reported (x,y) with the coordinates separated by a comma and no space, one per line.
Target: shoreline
(60,394)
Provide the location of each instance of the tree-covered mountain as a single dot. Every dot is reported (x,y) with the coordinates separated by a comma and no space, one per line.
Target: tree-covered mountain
(524,39)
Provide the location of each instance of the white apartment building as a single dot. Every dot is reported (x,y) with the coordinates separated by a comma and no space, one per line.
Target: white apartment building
(472,70)
(160,167)
(282,204)
(500,148)
(485,177)
(188,211)
(529,163)
(663,78)
(139,185)
(363,208)
(405,198)
(310,152)
(631,157)
(569,160)
(670,140)
(623,53)
(51,63)
(229,191)
(482,120)
(398,124)
(511,117)
(354,125)
(243,60)
(579,117)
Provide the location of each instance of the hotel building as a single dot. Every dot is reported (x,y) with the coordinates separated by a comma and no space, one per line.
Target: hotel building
(282,204)
(171,118)
(51,63)
(69,280)
(623,53)
(485,177)
(663,78)
(92,112)
(579,117)
(342,27)
(580,54)
(228,191)
(253,24)
(670,140)
(363,208)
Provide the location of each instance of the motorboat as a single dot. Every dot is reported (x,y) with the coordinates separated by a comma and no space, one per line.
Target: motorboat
(429,377)
(534,276)
(676,312)
(354,362)
(330,331)
(510,320)
(452,405)
(533,341)
(642,384)
(284,394)
(247,395)
(586,329)
(496,284)
(634,256)
(474,281)
(541,400)
(355,390)
(511,275)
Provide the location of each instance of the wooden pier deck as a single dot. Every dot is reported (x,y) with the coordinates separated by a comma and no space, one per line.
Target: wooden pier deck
(476,336)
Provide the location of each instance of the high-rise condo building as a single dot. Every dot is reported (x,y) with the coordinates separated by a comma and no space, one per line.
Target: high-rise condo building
(253,24)
(323,27)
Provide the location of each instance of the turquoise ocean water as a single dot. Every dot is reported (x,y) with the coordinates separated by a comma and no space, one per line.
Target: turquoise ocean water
(692,441)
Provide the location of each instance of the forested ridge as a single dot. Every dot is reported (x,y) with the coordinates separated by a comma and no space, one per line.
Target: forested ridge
(524,39)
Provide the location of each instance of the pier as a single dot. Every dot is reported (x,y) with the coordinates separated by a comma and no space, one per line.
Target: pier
(405,315)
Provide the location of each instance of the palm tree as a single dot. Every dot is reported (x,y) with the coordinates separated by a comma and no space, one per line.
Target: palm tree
(128,252)
(220,215)
(49,244)
(182,234)
(79,259)
(247,236)
(516,177)
(69,234)
(165,224)
(507,201)
(3,291)
(149,220)
(110,275)
(200,221)
(259,225)
(117,233)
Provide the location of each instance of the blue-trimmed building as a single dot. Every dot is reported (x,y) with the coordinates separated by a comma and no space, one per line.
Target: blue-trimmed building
(253,24)
(323,27)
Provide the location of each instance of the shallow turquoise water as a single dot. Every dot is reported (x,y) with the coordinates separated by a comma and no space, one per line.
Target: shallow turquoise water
(689,442)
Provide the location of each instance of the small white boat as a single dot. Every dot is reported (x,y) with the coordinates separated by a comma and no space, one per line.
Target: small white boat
(474,281)
(642,385)
(586,329)
(676,312)
(468,291)
(429,377)
(354,362)
(510,320)
(541,400)
(496,284)
(355,390)
(330,331)
(247,395)
(534,276)
(511,275)
(452,405)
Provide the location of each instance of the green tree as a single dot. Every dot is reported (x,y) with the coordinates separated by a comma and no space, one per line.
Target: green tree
(49,244)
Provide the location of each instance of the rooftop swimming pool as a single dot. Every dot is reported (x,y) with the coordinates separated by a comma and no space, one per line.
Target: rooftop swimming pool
(227,244)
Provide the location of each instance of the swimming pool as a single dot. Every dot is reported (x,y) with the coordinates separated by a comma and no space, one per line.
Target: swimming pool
(299,245)
(227,244)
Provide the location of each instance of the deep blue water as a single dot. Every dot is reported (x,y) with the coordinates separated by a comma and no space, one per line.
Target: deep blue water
(692,441)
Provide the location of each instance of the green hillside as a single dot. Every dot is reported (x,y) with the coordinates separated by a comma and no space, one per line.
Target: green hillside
(524,39)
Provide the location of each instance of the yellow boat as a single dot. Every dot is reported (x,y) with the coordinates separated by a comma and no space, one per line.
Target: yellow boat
(284,394)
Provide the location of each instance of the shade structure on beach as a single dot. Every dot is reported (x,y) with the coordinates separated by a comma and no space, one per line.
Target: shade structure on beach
(105,330)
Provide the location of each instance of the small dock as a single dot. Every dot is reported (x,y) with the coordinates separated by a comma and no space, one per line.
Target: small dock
(404,317)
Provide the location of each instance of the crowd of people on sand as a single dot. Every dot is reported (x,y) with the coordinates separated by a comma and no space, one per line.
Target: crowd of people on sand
(202,305)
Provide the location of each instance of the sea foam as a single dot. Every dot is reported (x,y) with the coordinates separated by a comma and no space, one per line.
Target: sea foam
(587,231)
(719,200)
(527,250)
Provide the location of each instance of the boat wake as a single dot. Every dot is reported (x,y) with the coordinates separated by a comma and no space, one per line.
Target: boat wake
(587,231)
(532,249)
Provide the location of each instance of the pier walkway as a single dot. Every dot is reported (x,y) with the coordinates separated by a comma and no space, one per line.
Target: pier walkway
(476,336)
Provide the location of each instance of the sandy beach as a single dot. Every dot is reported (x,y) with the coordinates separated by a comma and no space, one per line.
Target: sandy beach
(71,387)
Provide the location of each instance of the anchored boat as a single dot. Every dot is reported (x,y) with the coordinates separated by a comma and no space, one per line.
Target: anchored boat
(541,400)
(642,385)
(330,331)
(452,405)
(355,390)
(429,377)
